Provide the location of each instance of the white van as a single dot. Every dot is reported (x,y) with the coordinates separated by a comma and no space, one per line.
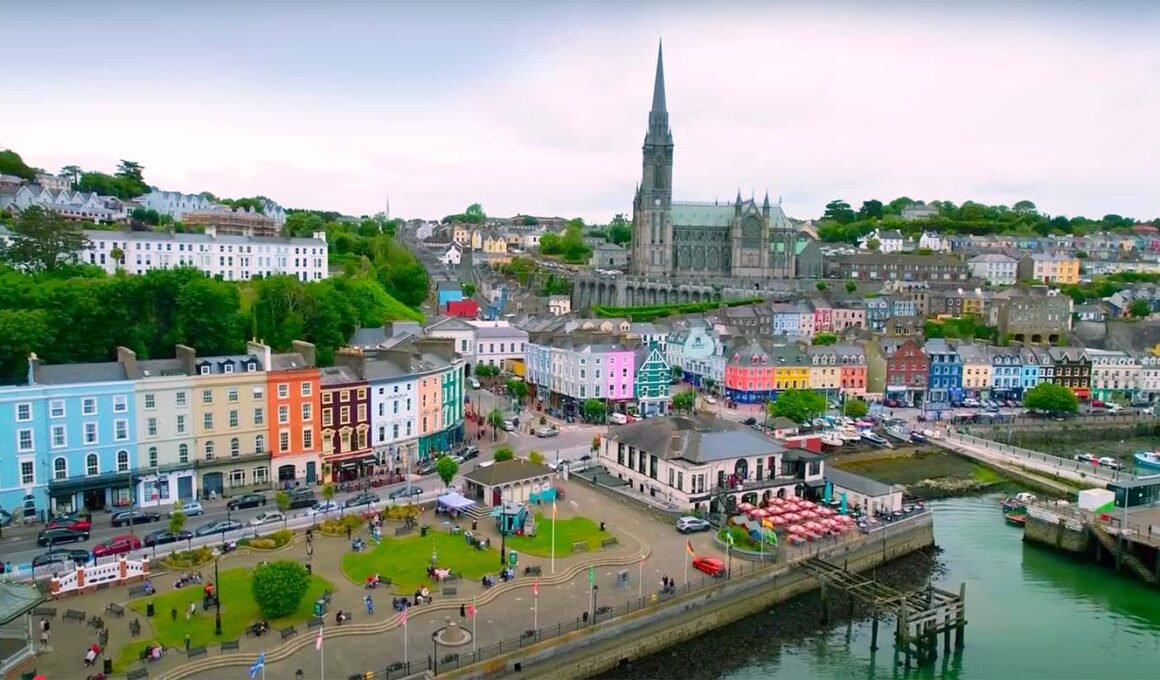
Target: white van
(474,382)
(618,419)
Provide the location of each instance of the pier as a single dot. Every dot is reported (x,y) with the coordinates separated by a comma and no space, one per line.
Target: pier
(920,616)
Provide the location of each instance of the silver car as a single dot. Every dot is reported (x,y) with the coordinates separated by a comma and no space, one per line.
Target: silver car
(687,525)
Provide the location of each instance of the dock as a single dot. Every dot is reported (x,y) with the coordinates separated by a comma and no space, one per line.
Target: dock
(920,615)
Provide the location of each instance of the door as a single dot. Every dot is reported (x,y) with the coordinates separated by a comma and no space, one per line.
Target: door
(95,499)
(496,497)
(310,473)
(185,488)
(211,483)
(286,473)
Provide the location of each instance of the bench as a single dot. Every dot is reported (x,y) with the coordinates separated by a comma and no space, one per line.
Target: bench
(115,609)
(46,612)
(533,570)
(194,652)
(75,615)
(403,530)
(316,622)
(605,609)
(453,576)
(580,546)
(138,591)
(137,674)
(609,542)
(448,591)
(229,646)
(288,633)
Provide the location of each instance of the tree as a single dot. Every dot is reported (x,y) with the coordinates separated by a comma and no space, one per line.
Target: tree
(130,170)
(677,372)
(468,290)
(871,209)
(447,467)
(1024,207)
(684,401)
(594,410)
(495,419)
(619,230)
(73,173)
(503,453)
(1051,398)
(177,521)
(535,457)
(278,587)
(1140,309)
(486,371)
(839,211)
(874,244)
(851,286)
(12,164)
(42,240)
(328,495)
(820,285)
(283,500)
(518,389)
(855,408)
(708,384)
(550,244)
(800,406)
(825,338)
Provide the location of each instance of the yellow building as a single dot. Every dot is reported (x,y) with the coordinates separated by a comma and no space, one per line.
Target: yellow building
(467,236)
(976,369)
(791,368)
(495,244)
(1055,269)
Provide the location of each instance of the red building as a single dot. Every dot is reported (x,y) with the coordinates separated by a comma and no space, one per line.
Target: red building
(467,309)
(906,372)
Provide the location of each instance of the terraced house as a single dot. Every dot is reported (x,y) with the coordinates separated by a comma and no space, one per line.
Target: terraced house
(945,379)
(825,370)
(1114,375)
(651,383)
(976,367)
(1073,369)
(346,425)
(1006,373)
(293,394)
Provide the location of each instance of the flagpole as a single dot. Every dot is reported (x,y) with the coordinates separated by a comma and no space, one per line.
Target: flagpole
(474,618)
(553,536)
(640,581)
(687,568)
(405,662)
(536,613)
(322,662)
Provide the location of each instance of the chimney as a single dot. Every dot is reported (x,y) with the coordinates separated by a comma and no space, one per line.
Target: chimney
(259,349)
(306,349)
(33,368)
(188,357)
(128,359)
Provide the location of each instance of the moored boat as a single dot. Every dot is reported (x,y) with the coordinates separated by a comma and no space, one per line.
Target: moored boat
(917,437)
(831,439)
(1018,502)
(1149,460)
(899,434)
(1015,518)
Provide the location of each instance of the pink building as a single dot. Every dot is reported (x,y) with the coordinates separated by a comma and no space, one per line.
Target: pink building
(621,372)
(848,318)
(823,316)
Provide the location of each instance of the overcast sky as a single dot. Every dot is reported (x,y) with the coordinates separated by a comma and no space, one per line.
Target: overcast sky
(541,107)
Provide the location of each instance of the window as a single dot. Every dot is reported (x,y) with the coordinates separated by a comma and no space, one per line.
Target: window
(23,413)
(120,403)
(152,456)
(327,417)
(24,440)
(207,421)
(179,398)
(307,438)
(58,437)
(151,427)
(362,413)
(180,424)
(258,394)
(259,416)
(233,418)
(344,415)
(307,389)
(207,396)
(283,391)
(260,444)
(150,401)
(283,414)
(122,461)
(27,473)
(56,408)
(92,465)
(232,395)
(60,468)
(209,450)
(307,411)
(284,440)
(90,433)
(88,406)
(328,397)
(183,453)
(235,447)
(362,393)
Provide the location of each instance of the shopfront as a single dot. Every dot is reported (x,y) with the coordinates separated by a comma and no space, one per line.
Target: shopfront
(166,487)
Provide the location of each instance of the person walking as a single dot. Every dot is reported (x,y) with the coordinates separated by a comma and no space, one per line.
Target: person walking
(370,604)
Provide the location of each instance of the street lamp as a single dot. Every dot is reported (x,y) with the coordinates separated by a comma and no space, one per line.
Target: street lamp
(217,593)
(503,521)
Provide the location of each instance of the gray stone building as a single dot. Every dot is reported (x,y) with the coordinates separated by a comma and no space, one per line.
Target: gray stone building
(700,239)
(607,255)
(1035,315)
(897,267)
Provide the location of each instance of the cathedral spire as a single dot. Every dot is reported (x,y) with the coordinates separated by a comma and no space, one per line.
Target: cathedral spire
(658,105)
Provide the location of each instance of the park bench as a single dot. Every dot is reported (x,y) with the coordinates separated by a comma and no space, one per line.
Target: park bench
(289,632)
(137,674)
(403,530)
(138,591)
(580,546)
(46,612)
(533,570)
(115,609)
(230,646)
(449,591)
(453,576)
(609,542)
(316,622)
(194,652)
(75,615)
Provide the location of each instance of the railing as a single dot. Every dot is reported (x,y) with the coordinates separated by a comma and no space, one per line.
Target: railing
(1061,464)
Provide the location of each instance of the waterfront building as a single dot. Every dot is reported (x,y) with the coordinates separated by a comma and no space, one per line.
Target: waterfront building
(907,372)
(651,384)
(346,425)
(293,413)
(1032,368)
(976,368)
(1006,372)
(393,402)
(867,495)
(1149,377)
(691,347)
(852,370)
(1072,369)
(791,367)
(1114,375)
(824,371)
(945,377)
(699,463)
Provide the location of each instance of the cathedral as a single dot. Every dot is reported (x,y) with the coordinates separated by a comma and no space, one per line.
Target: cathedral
(700,240)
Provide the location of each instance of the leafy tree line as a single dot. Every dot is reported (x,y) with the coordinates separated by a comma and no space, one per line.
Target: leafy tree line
(650,312)
(570,244)
(12,164)
(1105,286)
(618,231)
(842,223)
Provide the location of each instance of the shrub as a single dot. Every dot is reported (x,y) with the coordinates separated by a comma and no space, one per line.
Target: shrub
(338,526)
(402,512)
(263,544)
(189,558)
(281,537)
(278,587)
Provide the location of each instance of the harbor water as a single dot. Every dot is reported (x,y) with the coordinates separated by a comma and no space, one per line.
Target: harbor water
(1031,614)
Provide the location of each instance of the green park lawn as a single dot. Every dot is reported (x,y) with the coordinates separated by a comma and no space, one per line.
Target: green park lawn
(239,611)
(405,560)
(568,531)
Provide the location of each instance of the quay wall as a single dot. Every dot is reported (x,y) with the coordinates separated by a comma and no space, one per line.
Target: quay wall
(596,649)
(1057,534)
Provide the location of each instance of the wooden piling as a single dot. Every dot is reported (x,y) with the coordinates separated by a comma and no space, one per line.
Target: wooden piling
(874,630)
(961,624)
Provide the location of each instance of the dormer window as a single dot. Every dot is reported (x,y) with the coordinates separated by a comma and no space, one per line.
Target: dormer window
(251,368)
(204,370)
(227,368)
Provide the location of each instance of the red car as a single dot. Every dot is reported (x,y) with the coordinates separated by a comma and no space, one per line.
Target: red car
(117,545)
(713,566)
(74,523)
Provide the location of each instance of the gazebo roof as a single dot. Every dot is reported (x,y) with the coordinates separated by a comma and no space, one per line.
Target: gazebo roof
(506,472)
(16,599)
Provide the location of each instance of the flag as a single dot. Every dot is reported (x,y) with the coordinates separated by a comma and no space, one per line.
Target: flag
(318,640)
(689,547)
(403,618)
(553,508)
(536,588)
(258,665)
(591,575)
(471,611)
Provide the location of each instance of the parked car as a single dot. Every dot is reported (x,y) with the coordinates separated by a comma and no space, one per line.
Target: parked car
(710,399)
(117,545)
(220,526)
(750,421)
(474,382)
(545,432)
(1111,463)
(61,558)
(52,537)
(75,523)
(249,500)
(470,452)
(1085,458)
(364,498)
(687,525)
(509,425)
(585,458)
(713,566)
(404,493)
(269,517)
(302,500)
(189,509)
(127,517)
(164,536)
(325,508)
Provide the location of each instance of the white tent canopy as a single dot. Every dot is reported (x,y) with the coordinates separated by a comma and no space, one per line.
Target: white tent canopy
(455,501)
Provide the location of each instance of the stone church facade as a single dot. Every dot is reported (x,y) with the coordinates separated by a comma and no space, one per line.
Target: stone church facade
(700,240)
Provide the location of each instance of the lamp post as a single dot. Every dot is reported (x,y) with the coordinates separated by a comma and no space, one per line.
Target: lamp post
(217,617)
(435,653)
(503,534)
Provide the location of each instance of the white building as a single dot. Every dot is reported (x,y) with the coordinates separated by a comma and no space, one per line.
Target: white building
(459,331)
(453,255)
(496,341)
(176,204)
(995,268)
(889,241)
(1114,373)
(559,305)
(71,205)
(933,241)
(232,257)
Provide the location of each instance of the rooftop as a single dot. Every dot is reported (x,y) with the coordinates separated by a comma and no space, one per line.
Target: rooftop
(506,472)
(857,483)
(698,439)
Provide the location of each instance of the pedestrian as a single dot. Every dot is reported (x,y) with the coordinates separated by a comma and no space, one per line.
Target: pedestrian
(370,604)
(44,625)
(191,611)
(187,643)
(463,611)
(173,613)
(44,638)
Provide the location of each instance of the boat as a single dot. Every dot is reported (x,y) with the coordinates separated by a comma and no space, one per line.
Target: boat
(1015,518)
(1018,502)
(917,437)
(875,439)
(1149,460)
(848,435)
(900,435)
(831,439)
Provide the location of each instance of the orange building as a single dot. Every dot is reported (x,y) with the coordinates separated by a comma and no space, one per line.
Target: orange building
(295,413)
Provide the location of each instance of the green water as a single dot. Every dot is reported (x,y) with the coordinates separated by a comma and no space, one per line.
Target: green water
(1031,614)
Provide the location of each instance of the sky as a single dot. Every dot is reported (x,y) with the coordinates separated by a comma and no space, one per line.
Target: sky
(541,107)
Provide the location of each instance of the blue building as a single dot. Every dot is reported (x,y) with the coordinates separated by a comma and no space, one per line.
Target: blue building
(944,385)
(1031,369)
(1006,373)
(448,291)
(73,431)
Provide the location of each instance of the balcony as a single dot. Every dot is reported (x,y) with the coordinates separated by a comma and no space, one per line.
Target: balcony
(757,484)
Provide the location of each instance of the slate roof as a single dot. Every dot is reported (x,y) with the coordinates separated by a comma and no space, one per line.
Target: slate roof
(66,374)
(288,361)
(857,483)
(505,472)
(16,599)
(337,375)
(698,439)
